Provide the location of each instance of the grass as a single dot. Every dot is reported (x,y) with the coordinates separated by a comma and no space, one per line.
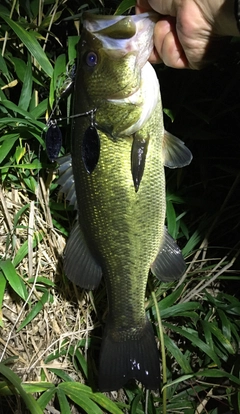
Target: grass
(50,330)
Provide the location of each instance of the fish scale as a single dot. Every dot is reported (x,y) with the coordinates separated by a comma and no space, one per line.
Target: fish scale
(120,231)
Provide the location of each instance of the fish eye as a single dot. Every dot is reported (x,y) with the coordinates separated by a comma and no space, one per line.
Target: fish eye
(91,59)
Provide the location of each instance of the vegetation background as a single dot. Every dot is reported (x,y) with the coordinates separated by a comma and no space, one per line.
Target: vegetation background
(51,331)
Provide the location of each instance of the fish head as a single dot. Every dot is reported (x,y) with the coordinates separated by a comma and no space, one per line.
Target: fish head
(113,51)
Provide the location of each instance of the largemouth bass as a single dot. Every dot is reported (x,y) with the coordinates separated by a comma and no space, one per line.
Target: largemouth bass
(119,150)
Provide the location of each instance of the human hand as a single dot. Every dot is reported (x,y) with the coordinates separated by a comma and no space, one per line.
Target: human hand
(190,33)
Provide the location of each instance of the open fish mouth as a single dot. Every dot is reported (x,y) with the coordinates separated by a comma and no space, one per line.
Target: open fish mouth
(124,34)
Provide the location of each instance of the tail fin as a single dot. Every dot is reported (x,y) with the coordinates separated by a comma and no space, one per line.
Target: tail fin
(136,358)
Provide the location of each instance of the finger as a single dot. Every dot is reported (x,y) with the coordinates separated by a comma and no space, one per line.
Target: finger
(142,6)
(167,44)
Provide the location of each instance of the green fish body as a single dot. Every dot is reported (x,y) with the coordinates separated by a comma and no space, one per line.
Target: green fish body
(119,150)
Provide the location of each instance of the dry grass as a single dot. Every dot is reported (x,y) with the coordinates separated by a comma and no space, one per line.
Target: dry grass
(66,316)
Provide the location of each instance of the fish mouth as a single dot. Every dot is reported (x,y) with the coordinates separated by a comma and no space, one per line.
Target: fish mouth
(121,35)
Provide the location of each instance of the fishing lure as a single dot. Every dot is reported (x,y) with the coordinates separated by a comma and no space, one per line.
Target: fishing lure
(53,139)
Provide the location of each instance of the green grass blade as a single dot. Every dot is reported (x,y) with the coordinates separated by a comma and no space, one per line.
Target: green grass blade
(76,392)
(221,338)
(124,6)
(177,354)
(14,279)
(44,399)
(181,309)
(31,404)
(61,374)
(217,373)
(55,85)
(169,300)
(72,47)
(172,224)
(23,251)
(178,380)
(63,402)
(135,404)
(194,338)
(75,389)
(29,40)
(191,243)
(3,283)
(35,310)
(26,92)
(8,143)
(80,358)
(32,387)
(26,115)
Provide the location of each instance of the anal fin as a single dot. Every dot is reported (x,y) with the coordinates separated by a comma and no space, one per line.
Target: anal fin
(175,153)
(79,264)
(169,264)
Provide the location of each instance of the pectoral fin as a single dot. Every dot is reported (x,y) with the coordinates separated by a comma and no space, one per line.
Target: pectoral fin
(79,264)
(169,264)
(175,153)
(138,158)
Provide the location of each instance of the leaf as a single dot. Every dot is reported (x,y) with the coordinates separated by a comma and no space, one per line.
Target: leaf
(8,143)
(14,279)
(19,214)
(35,310)
(169,300)
(181,309)
(217,373)
(40,109)
(31,43)
(3,283)
(41,280)
(177,354)
(3,68)
(178,380)
(23,251)
(75,389)
(76,392)
(192,243)
(31,404)
(195,340)
(44,399)
(135,403)
(20,67)
(19,153)
(124,6)
(82,361)
(27,117)
(171,220)
(26,91)
(33,387)
(59,69)
(61,374)
(221,338)
(72,49)
(63,402)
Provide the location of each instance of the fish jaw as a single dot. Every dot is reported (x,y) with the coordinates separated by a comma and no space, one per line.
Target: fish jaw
(124,34)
